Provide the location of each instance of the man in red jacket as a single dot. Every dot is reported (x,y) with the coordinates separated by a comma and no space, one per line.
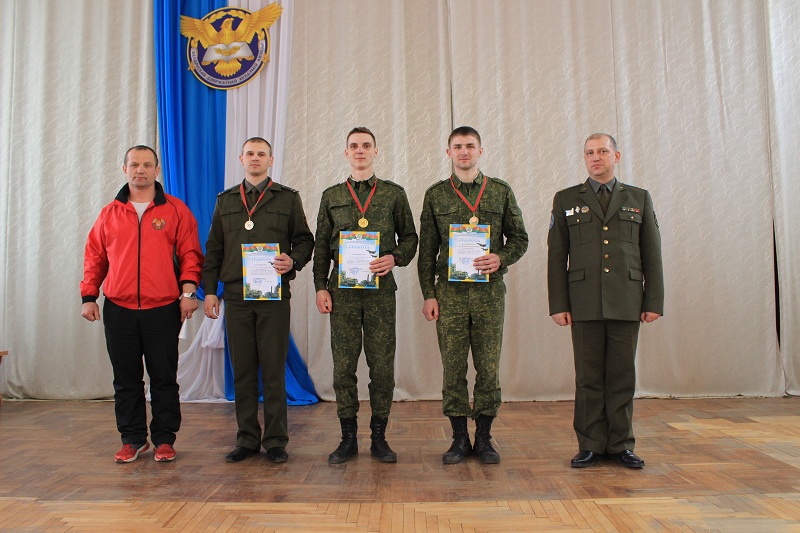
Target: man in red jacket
(144,250)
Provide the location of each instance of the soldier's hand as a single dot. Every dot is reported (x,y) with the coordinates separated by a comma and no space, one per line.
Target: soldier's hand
(562,319)
(382,265)
(283,264)
(324,302)
(486,264)
(648,317)
(430,309)
(90,311)
(211,306)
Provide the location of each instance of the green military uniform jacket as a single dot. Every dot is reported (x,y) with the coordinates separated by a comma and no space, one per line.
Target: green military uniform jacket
(388,212)
(442,206)
(604,266)
(279,217)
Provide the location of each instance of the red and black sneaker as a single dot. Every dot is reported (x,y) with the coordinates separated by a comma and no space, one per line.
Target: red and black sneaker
(130,452)
(164,452)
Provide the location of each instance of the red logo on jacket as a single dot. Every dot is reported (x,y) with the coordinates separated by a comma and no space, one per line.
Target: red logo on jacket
(159,223)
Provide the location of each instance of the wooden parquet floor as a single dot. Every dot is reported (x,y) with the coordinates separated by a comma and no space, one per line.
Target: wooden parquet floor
(725,465)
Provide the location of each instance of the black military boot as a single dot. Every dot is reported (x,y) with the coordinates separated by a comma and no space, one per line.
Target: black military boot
(461,446)
(348,448)
(483,441)
(380,448)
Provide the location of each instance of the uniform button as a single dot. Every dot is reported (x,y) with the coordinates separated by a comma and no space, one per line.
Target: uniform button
(632,217)
(606,270)
(605,228)
(605,242)
(577,220)
(605,256)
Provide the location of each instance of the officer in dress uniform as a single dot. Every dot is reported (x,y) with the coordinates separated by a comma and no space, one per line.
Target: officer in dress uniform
(604,278)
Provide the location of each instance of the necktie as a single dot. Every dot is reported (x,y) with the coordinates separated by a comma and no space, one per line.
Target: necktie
(604,198)
(253,197)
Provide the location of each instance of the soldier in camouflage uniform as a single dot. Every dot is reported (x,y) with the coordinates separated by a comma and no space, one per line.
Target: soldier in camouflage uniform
(469,315)
(384,207)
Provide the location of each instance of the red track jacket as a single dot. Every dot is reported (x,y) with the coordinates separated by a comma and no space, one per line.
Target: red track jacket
(140,265)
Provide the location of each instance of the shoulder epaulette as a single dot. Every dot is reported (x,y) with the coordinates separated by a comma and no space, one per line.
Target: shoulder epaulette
(437,184)
(229,189)
(288,188)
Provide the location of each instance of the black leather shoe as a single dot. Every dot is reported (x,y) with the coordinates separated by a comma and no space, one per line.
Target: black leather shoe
(628,459)
(240,454)
(277,454)
(584,458)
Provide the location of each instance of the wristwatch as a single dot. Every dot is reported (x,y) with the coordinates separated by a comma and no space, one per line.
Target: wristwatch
(190,295)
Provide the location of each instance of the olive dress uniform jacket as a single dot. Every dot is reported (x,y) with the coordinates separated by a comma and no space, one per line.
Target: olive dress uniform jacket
(604,267)
(279,217)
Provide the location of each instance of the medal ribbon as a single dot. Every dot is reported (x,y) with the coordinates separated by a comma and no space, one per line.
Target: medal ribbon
(244,201)
(472,208)
(366,204)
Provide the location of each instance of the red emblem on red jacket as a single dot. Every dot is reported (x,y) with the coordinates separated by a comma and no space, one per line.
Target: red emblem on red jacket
(159,223)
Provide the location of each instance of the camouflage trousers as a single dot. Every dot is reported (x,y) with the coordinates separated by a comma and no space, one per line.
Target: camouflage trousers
(470,317)
(369,315)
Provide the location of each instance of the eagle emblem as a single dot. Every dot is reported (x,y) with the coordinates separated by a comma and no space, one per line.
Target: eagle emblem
(229,46)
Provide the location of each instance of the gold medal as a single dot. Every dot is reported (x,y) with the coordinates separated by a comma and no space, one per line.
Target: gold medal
(362,222)
(249,225)
(473,221)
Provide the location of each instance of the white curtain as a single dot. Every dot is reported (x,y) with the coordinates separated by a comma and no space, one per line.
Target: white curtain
(783,69)
(79,90)
(701,96)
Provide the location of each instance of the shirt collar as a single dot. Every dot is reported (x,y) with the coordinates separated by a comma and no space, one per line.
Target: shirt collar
(596,184)
(467,186)
(260,187)
(369,182)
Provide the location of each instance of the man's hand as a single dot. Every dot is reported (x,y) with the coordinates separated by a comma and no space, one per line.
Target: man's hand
(562,319)
(324,302)
(90,311)
(431,309)
(188,306)
(211,306)
(648,317)
(486,264)
(382,265)
(283,264)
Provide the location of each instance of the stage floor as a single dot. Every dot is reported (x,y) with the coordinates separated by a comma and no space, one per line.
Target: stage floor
(712,465)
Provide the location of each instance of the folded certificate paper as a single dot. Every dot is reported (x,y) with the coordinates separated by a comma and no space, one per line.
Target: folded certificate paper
(357,249)
(260,280)
(467,242)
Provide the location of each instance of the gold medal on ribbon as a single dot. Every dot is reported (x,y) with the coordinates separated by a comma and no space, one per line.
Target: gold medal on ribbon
(362,222)
(473,221)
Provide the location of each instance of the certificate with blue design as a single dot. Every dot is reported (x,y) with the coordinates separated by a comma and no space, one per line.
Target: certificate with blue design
(357,249)
(467,243)
(260,280)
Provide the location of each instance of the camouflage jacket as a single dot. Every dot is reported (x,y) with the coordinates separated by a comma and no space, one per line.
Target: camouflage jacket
(442,207)
(387,212)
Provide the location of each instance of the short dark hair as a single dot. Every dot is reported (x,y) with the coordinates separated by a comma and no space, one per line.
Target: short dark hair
(360,129)
(463,131)
(600,136)
(258,140)
(137,148)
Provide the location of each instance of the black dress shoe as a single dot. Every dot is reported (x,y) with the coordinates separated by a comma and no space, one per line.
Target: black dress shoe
(240,453)
(584,458)
(277,454)
(628,459)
